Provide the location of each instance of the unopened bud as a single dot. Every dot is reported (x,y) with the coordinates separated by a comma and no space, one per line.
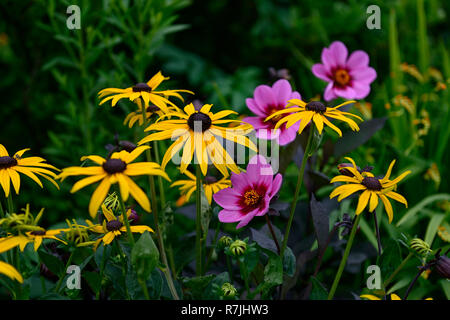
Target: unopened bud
(443,267)
(238,248)
(228,290)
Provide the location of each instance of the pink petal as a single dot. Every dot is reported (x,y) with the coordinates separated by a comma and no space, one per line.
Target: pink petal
(227,199)
(262,211)
(276,185)
(247,218)
(339,52)
(239,181)
(321,72)
(267,133)
(286,136)
(253,106)
(257,122)
(264,96)
(282,91)
(346,93)
(229,216)
(362,90)
(329,92)
(357,60)
(328,59)
(366,75)
(296,95)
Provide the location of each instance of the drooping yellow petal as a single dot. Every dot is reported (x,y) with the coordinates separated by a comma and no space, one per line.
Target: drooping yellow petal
(15,179)
(108,238)
(388,207)
(139,229)
(123,186)
(108,213)
(362,202)
(98,197)
(4,181)
(11,272)
(373,201)
(397,197)
(138,194)
(86,181)
(318,122)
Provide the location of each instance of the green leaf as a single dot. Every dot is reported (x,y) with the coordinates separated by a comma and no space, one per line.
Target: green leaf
(289,262)
(413,212)
(273,274)
(446,287)
(53,263)
(318,291)
(197,285)
(432,228)
(390,259)
(144,256)
(93,280)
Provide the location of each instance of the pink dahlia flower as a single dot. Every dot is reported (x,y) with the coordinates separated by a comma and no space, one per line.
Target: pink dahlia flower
(347,78)
(267,100)
(250,193)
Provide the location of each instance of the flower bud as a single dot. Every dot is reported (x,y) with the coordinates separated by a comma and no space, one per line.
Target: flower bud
(225,241)
(238,248)
(228,290)
(442,267)
(127,145)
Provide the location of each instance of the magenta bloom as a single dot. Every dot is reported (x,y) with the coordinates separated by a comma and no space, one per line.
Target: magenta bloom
(347,78)
(250,193)
(267,100)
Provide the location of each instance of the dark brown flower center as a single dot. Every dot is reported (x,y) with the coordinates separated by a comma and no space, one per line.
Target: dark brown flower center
(113,225)
(7,162)
(342,77)
(199,121)
(152,109)
(127,145)
(210,179)
(142,86)
(114,166)
(372,183)
(38,232)
(251,197)
(316,106)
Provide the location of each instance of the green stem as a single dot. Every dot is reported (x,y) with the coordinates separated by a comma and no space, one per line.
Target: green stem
(10,203)
(124,266)
(102,270)
(400,267)
(144,288)
(344,258)
(63,273)
(297,188)
(213,247)
(162,195)
(230,268)
(198,226)
(2,212)
(125,220)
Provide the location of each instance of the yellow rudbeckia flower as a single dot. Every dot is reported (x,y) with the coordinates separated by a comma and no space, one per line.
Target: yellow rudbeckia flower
(117,169)
(113,227)
(36,237)
(314,111)
(210,184)
(11,272)
(372,188)
(146,91)
(10,167)
(198,132)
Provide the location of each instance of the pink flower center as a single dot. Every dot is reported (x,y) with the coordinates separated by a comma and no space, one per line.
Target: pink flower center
(251,198)
(342,77)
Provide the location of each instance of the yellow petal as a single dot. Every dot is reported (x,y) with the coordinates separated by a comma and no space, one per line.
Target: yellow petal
(98,197)
(362,202)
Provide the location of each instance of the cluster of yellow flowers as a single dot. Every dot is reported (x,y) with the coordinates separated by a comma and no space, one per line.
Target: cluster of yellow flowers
(198,134)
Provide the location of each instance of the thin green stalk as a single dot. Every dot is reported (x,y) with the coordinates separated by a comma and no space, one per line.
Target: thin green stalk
(230,268)
(144,288)
(297,188)
(377,231)
(400,267)
(63,273)
(159,236)
(198,226)
(2,213)
(213,246)
(344,258)
(125,220)
(102,270)
(162,195)
(124,266)
(10,203)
